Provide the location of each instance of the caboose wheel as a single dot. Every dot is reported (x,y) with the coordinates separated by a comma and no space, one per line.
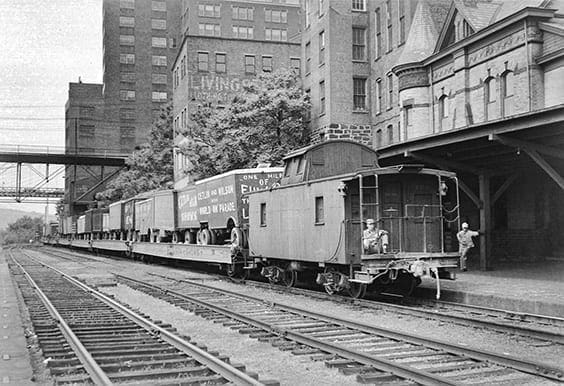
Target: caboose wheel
(290,277)
(357,290)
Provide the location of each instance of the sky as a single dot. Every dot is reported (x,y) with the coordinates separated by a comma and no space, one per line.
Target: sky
(44,45)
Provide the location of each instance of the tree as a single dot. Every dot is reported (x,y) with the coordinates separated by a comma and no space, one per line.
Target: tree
(22,230)
(149,167)
(261,125)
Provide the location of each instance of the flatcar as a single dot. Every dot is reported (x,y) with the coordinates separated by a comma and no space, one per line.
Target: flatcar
(307,221)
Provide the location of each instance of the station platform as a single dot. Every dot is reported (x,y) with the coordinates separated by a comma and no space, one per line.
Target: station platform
(15,365)
(535,287)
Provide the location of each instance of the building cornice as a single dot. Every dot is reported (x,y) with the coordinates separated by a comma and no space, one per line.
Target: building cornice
(490,30)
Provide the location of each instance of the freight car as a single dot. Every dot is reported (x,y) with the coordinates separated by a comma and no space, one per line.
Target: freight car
(304,222)
(314,222)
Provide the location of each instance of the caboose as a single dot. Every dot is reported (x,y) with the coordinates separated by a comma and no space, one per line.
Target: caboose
(314,223)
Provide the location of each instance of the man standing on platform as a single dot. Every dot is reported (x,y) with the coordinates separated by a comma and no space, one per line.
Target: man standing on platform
(465,243)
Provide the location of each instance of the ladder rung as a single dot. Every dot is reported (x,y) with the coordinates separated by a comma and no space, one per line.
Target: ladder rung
(370,187)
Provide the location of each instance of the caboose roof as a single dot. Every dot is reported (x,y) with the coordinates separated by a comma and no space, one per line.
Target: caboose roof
(303,150)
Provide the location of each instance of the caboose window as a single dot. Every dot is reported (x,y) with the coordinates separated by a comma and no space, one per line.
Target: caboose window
(319,212)
(301,165)
(263,214)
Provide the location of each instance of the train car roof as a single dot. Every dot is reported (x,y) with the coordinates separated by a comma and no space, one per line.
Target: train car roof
(305,149)
(241,171)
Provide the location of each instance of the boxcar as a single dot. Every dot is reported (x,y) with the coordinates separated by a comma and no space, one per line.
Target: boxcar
(164,221)
(144,219)
(223,208)
(80,226)
(116,221)
(187,219)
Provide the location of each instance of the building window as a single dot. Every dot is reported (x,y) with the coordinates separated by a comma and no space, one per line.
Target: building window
(295,65)
(308,57)
(275,16)
(319,211)
(407,115)
(359,93)
(321,6)
(158,24)
(267,63)
(308,112)
(242,13)
(126,40)
(158,6)
(489,90)
(389,21)
(171,42)
(307,8)
(250,64)
(129,4)
(208,10)
(159,60)
(127,77)
(359,5)
(275,34)
(401,19)
(359,44)
(263,214)
(322,47)
(443,107)
(127,114)
(203,60)
(159,78)
(243,32)
(378,96)
(158,96)
(390,130)
(378,42)
(322,97)
(127,58)
(390,91)
(206,29)
(127,95)
(506,84)
(126,21)
(158,42)
(220,62)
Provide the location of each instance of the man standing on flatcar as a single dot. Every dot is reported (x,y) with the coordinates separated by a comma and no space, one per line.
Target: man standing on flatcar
(374,240)
(465,242)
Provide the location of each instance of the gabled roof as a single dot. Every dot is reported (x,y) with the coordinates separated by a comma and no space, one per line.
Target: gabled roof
(478,13)
(424,31)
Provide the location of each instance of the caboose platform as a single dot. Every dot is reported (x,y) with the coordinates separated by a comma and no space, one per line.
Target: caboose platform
(522,286)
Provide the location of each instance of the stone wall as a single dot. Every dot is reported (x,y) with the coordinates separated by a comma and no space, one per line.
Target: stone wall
(358,133)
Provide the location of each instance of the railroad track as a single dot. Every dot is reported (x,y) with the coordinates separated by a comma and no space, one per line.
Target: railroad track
(374,354)
(540,327)
(88,338)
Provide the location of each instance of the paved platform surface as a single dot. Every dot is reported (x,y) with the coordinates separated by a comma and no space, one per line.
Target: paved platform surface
(15,366)
(531,287)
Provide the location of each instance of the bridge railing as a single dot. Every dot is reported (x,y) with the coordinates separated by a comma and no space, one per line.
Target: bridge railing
(61,150)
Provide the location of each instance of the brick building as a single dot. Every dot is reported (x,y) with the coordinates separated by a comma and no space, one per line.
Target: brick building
(224,44)
(470,86)
(140,41)
(349,48)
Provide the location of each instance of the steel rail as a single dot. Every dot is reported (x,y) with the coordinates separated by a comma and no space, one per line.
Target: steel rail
(94,370)
(400,370)
(224,369)
(465,320)
(536,368)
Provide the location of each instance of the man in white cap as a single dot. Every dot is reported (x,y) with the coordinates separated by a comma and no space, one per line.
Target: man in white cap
(374,240)
(465,243)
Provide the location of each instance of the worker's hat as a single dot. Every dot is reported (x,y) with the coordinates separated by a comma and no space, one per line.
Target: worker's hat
(370,221)
(464,225)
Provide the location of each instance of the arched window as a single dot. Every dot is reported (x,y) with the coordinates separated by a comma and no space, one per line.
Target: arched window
(443,107)
(390,134)
(506,84)
(489,90)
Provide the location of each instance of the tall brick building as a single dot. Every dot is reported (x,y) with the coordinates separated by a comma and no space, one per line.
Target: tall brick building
(225,43)
(472,86)
(140,41)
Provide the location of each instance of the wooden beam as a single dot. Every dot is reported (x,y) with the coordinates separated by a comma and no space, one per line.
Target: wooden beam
(517,143)
(546,167)
(485,222)
(466,189)
(504,187)
(443,163)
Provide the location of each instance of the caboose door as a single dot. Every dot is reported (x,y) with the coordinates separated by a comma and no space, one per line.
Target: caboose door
(422,215)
